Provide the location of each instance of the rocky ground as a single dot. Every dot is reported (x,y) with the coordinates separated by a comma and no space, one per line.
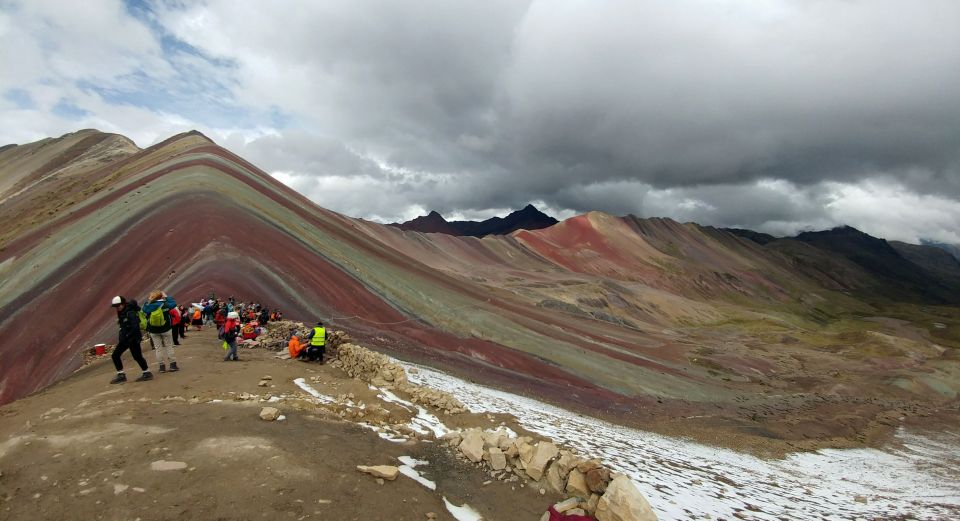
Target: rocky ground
(205,443)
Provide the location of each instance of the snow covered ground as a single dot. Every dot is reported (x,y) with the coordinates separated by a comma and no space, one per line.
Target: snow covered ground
(687,480)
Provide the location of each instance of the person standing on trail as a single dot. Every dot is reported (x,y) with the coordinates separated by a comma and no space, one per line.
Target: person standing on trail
(157,313)
(182,326)
(318,343)
(176,318)
(129,338)
(231,329)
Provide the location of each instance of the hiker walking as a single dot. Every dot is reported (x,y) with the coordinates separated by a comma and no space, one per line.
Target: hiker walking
(157,313)
(231,329)
(318,343)
(129,337)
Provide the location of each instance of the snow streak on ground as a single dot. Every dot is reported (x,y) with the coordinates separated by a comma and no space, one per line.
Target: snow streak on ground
(687,480)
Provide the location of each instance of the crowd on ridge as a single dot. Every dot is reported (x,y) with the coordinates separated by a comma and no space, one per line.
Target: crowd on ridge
(165,323)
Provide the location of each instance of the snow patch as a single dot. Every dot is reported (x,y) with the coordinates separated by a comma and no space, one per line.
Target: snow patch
(687,480)
(462,513)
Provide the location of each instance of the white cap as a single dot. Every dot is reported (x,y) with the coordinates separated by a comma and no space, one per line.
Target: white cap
(116,301)
(233,314)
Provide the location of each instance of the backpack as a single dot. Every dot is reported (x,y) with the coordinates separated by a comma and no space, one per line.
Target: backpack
(157,318)
(143,320)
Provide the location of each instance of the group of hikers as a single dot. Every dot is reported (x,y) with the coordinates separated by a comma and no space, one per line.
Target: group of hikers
(165,323)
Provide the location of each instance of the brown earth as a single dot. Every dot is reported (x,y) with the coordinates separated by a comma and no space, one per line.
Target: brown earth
(82,449)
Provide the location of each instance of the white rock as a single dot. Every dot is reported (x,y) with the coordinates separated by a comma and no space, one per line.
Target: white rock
(167,465)
(497,460)
(542,454)
(623,502)
(472,446)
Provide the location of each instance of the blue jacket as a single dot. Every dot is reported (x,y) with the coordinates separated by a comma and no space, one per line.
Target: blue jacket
(149,307)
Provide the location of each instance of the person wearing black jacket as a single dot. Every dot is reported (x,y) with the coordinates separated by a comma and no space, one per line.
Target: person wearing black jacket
(129,338)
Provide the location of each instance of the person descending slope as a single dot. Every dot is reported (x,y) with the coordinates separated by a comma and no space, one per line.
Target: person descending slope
(157,313)
(129,337)
(318,343)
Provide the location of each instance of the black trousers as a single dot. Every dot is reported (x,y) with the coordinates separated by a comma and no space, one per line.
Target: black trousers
(175,331)
(315,353)
(134,348)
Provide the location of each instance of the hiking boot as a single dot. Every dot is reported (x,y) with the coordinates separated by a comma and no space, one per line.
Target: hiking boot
(119,379)
(163,368)
(147,375)
(173,367)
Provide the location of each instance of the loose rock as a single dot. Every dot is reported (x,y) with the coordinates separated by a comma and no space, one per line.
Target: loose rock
(269,413)
(623,502)
(388,472)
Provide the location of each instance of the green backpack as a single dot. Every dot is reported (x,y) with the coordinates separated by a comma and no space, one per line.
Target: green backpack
(143,320)
(157,319)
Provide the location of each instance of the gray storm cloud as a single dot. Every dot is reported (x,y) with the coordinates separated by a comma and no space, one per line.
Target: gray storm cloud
(778,115)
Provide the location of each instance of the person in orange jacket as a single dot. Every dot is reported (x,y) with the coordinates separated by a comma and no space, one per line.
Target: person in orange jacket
(197,319)
(294,346)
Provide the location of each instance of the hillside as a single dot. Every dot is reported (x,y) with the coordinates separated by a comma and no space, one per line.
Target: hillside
(647,322)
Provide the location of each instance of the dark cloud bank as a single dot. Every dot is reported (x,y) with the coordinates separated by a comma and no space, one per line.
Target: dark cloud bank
(778,116)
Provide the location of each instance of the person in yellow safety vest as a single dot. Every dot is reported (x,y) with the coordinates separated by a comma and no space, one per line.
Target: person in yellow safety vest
(318,343)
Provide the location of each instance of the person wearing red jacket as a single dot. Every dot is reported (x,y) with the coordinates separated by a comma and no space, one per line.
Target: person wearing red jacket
(175,320)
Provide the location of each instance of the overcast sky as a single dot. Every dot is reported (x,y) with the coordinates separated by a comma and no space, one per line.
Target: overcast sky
(779,116)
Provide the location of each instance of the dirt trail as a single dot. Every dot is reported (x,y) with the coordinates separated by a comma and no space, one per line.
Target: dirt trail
(84,449)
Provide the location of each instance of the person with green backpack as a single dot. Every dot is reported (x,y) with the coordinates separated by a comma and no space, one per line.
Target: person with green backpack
(156,312)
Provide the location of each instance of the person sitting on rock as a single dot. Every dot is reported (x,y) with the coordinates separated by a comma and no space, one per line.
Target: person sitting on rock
(294,346)
(129,338)
(318,343)
(249,331)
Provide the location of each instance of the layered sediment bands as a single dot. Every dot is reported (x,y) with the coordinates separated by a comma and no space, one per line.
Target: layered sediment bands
(199,218)
(597,312)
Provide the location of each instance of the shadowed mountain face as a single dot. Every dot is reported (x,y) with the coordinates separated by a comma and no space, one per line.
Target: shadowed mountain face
(645,320)
(529,218)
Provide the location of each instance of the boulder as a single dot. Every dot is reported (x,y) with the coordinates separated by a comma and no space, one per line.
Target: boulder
(525,451)
(566,463)
(269,413)
(597,479)
(554,480)
(497,460)
(388,472)
(591,504)
(585,466)
(542,455)
(472,445)
(623,502)
(577,484)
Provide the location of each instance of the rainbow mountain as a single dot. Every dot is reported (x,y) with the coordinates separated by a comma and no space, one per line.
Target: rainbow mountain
(646,321)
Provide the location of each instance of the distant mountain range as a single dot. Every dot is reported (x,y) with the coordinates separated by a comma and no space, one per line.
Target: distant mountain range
(529,218)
